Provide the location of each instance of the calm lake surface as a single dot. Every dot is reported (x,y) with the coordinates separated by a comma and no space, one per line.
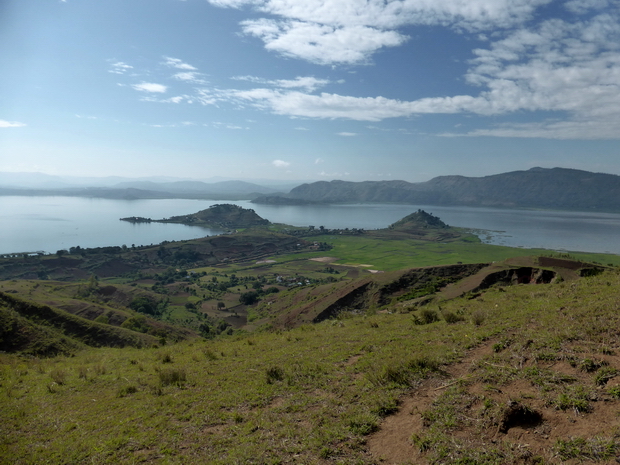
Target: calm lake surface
(30,224)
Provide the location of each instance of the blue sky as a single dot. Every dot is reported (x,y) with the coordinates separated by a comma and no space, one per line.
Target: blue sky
(308,90)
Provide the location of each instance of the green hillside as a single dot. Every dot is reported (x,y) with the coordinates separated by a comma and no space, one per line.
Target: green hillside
(465,382)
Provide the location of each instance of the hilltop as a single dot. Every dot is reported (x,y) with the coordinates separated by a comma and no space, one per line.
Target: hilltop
(219,216)
(419,220)
(555,188)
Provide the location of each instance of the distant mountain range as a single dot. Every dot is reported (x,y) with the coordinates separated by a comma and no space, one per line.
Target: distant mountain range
(547,188)
(124,188)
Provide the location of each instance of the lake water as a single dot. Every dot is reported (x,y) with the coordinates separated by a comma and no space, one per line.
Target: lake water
(48,224)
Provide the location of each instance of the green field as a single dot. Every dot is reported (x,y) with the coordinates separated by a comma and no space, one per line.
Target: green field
(397,253)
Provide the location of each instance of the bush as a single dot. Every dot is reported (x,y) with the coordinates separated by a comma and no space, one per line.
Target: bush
(172,376)
(127,390)
(478,317)
(451,317)
(274,374)
(426,317)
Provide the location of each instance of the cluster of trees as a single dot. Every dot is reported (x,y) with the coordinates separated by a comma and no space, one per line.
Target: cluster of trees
(213,327)
(251,297)
(149,306)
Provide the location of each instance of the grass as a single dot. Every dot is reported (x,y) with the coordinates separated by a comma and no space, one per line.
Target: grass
(389,253)
(316,392)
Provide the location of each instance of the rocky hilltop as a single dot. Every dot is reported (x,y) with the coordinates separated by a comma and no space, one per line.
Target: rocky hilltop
(221,216)
(419,220)
(553,188)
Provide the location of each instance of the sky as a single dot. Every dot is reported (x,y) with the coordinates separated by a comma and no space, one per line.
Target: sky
(308,90)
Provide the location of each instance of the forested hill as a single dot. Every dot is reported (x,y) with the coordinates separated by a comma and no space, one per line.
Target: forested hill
(553,188)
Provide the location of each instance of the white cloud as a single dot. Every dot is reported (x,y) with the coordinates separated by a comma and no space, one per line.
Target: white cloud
(190,76)
(150,87)
(11,124)
(350,31)
(583,6)
(177,99)
(280,163)
(333,106)
(571,69)
(347,134)
(320,43)
(308,83)
(318,161)
(177,63)
(120,68)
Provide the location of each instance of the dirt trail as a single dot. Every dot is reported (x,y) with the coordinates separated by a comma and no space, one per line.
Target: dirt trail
(392,443)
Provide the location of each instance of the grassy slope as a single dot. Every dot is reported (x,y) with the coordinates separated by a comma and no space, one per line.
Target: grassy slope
(313,394)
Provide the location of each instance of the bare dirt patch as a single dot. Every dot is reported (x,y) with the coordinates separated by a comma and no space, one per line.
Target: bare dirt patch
(526,418)
(323,259)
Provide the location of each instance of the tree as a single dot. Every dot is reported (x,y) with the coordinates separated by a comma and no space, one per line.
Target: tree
(248,298)
(221,305)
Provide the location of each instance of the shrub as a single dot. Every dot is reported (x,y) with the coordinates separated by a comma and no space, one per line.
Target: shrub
(426,317)
(274,374)
(172,376)
(478,317)
(451,317)
(127,390)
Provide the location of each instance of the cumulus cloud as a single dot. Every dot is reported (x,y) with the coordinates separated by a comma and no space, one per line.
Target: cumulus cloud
(571,68)
(150,87)
(11,124)
(567,68)
(321,43)
(280,164)
(350,31)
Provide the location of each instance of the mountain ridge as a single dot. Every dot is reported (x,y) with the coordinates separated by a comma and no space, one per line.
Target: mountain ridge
(545,188)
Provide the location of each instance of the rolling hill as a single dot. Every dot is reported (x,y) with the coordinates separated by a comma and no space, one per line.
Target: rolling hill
(554,188)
